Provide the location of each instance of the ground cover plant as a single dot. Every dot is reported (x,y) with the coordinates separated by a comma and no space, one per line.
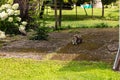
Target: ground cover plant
(27,69)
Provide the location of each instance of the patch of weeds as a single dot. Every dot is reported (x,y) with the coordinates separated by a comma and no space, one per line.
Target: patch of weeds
(101,25)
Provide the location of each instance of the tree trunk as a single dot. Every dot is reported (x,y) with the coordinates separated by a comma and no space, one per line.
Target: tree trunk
(92,7)
(102,10)
(24,7)
(85,11)
(76,9)
(42,10)
(56,17)
(60,13)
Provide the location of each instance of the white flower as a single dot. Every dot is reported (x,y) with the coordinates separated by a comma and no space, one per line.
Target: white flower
(3,7)
(10,12)
(7,6)
(16,24)
(10,19)
(2,34)
(3,15)
(0,9)
(15,6)
(22,28)
(18,19)
(17,12)
(24,23)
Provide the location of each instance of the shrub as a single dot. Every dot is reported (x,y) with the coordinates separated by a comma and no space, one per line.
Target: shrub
(41,30)
(10,22)
(41,34)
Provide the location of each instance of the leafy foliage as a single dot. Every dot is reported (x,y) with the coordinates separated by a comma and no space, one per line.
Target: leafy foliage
(41,34)
(41,29)
(2,2)
(107,1)
(10,22)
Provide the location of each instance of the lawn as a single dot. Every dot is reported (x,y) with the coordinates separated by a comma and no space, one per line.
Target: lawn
(27,69)
(69,17)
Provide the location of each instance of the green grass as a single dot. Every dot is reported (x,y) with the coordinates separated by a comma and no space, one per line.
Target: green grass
(26,69)
(69,17)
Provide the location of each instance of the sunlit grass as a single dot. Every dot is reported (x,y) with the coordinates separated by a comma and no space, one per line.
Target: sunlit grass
(24,69)
(69,17)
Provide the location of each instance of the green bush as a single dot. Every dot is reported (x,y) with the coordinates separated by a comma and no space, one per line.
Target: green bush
(41,31)
(41,34)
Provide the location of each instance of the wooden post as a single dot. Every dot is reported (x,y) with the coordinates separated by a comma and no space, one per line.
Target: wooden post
(116,65)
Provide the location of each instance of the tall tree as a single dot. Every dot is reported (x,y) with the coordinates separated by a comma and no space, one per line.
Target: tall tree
(56,16)
(75,3)
(23,6)
(42,8)
(60,12)
(91,2)
(106,2)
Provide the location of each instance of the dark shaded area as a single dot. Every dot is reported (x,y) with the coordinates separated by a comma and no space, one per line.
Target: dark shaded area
(24,7)
(73,18)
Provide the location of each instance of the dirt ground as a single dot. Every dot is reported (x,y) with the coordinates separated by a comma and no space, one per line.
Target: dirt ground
(98,45)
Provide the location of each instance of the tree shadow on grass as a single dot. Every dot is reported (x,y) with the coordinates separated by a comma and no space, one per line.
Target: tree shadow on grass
(73,17)
(85,66)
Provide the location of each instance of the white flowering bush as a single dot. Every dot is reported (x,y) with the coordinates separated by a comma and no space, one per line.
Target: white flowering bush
(10,22)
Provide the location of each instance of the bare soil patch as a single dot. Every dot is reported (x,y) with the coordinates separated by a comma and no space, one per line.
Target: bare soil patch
(98,44)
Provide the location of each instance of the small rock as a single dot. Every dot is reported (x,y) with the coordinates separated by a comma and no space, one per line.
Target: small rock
(113,47)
